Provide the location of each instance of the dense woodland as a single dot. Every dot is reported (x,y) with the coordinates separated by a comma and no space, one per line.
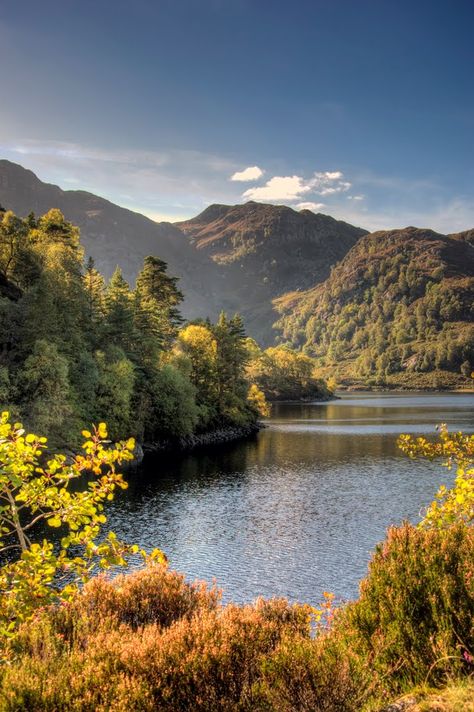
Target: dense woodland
(400,305)
(75,350)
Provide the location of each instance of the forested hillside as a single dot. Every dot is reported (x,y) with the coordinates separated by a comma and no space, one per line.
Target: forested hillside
(398,309)
(75,349)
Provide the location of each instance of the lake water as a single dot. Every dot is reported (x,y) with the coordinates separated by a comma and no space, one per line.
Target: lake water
(298,509)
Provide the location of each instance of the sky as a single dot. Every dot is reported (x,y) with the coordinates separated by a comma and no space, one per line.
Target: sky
(360,109)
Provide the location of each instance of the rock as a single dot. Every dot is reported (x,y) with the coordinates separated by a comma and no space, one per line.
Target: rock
(203,440)
(403,705)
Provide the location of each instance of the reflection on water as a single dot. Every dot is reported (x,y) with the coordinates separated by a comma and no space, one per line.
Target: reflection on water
(296,510)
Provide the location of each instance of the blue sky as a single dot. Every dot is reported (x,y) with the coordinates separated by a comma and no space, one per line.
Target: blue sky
(362,109)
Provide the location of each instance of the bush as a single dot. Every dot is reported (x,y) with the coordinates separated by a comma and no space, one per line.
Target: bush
(322,675)
(414,619)
(146,641)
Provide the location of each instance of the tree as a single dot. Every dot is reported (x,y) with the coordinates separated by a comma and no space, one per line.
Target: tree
(157,317)
(13,233)
(231,359)
(44,384)
(454,504)
(34,494)
(197,344)
(18,263)
(94,286)
(115,390)
(285,374)
(257,400)
(172,411)
(119,312)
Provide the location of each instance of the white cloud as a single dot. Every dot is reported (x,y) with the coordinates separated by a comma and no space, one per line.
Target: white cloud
(250,173)
(310,206)
(335,175)
(292,188)
(287,188)
(356,197)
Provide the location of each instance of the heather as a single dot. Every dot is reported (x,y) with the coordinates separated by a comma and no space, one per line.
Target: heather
(150,640)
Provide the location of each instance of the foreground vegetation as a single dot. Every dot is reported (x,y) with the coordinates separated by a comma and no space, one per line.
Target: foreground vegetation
(150,640)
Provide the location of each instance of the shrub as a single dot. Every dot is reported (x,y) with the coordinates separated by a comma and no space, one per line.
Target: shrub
(146,641)
(322,675)
(456,449)
(414,619)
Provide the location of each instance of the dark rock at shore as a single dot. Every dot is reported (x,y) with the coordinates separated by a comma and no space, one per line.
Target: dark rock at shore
(201,440)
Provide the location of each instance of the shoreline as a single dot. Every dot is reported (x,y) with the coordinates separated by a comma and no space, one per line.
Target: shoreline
(400,389)
(190,443)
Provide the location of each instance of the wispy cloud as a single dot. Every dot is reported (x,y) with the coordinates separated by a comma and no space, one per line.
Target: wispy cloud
(171,184)
(450,215)
(177,184)
(310,206)
(248,174)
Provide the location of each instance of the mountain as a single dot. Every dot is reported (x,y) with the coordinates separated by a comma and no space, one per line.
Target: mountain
(265,250)
(110,234)
(398,307)
(237,258)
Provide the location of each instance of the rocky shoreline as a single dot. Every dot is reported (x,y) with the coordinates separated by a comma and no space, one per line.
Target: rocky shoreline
(189,443)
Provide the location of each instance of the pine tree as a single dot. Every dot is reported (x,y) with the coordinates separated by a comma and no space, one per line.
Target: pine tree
(94,286)
(157,298)
(119,312)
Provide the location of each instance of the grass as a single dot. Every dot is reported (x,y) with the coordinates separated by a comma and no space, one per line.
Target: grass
(455,698)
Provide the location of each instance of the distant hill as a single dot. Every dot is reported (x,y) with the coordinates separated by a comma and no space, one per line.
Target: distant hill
(266,250)
(398,309)
(111,234)
(236,258)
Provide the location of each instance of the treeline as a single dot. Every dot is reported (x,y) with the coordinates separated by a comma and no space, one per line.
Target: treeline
(75,349)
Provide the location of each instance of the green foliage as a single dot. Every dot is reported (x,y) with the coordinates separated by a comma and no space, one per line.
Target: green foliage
(157,297)
(172,410)
(284,374)
(74,349)
(118,327)
(35,494)
(400,303)
(44,387)
(115,389)
(414,618)
(455,504)
(215,357)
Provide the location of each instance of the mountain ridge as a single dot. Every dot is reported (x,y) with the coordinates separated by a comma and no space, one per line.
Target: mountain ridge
(264,250)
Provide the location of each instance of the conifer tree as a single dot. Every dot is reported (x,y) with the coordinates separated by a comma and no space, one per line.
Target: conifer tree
(94,286)
(119,312)
(157,298)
